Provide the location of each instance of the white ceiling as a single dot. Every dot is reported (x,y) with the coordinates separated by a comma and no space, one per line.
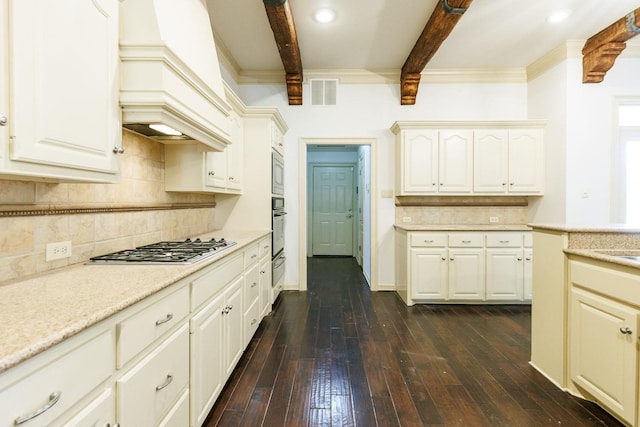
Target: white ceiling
(379,34)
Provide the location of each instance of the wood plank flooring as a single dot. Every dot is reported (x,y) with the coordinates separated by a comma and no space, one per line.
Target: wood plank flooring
(339,355)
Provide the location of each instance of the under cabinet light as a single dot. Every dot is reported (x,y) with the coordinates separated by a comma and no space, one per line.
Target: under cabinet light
(167,130)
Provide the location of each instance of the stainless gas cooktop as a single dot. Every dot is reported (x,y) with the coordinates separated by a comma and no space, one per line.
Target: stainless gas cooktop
(185,252)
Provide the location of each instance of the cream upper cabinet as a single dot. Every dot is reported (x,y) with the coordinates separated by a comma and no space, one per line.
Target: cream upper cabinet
(487,158)
(60,67)
(417,162)
(490,161)
(525,161)
(193,168)
(455,161)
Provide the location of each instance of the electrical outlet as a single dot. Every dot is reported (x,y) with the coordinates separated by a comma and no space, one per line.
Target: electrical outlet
(406,219)
(57,250)
(387,194)
(494,219)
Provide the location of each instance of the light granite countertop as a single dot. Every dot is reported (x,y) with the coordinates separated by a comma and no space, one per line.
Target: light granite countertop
(44,310)
(609,255)
(577,228)
(462,227)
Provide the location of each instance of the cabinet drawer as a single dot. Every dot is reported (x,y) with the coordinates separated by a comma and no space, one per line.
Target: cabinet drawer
(428,240)
(251,286)
(251,255)
(265,247)
(466,240)
(504,240)
(140,330)
(100,412)
(60,383)
(149,389)
(251,321)
(203,288)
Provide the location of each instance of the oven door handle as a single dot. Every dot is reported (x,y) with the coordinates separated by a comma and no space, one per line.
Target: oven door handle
(278,265)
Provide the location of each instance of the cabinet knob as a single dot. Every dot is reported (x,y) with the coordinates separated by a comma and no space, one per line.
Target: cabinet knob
(3,121)
(626,331)
(519,259)
(451,259)
(118,150)
(211,173)
(444,259)
(512,183)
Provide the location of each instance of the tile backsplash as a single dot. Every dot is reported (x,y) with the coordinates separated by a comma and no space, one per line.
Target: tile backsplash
(461,215)
(143,213)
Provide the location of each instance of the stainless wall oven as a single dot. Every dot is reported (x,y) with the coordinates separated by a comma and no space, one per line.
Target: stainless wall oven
(277,246)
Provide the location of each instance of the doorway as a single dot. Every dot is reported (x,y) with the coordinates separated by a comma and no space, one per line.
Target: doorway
(319,153)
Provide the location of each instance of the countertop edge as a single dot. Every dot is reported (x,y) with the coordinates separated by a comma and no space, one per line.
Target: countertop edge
(462,227)
(601,255)
(34,338)
(609,228)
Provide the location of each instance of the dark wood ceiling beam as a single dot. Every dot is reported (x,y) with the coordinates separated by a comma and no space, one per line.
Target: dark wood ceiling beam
(444,18)
(284,32)
(601,50)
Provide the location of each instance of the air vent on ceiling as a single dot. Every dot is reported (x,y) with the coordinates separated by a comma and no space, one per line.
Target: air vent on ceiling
(323,91)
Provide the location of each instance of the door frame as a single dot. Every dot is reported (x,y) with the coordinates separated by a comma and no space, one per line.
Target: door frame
(302,203)
(309,210)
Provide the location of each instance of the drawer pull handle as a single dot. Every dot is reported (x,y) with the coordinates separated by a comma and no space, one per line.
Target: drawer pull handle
(253,256)
(466,241)
(165,383)
(504,241)
(165,320)
(53,399)
(626,331)
(266,246)
(428,241)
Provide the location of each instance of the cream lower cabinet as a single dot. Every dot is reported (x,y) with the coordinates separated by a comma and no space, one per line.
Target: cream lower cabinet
(463,267)
(603,337)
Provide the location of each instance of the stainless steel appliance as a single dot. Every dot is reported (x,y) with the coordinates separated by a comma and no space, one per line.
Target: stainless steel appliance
(277,174)
(277,246)
(174,252)
(277,225)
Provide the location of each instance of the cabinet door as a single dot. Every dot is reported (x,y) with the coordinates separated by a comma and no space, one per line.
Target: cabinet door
(216,169)
(466,274)
(528,274)
(456,161)
(419,161)
(206,374)
(525,161)
(428,274)
(490,161)
(235,154)
(603,354)
(233,327)
(504,274)
(265,287)
(64,83)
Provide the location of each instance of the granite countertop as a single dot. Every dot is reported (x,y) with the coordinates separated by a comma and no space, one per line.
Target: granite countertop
(462,227)
(44,310)
(609,255)
(577,228)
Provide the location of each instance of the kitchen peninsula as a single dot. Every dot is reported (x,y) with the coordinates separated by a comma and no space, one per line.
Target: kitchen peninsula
(585,313)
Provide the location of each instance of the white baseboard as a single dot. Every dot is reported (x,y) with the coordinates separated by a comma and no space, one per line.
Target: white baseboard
(386,286)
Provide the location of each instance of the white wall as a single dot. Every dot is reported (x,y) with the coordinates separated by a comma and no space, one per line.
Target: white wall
(369,110)
(579,139)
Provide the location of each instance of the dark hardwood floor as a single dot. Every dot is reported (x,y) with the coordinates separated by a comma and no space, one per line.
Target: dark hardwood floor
(339,355)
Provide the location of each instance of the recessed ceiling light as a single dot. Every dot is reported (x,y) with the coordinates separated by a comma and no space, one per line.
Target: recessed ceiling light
(558,16)
(324,15)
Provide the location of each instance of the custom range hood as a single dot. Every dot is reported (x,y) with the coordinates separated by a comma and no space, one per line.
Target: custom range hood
(170,73)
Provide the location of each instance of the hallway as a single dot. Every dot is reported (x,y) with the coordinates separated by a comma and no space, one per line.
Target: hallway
(339,355)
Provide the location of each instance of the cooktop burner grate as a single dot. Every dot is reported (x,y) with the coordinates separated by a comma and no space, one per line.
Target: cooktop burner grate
(170,252)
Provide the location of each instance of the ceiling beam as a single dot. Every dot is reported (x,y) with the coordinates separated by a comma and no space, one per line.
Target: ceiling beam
(444,18)
(284,32)
(601,50)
